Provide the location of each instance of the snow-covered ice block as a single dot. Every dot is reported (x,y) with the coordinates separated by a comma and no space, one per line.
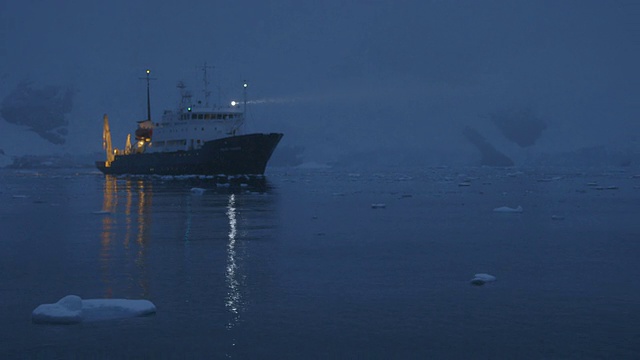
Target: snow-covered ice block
(481,279)
(72,309)
(66,311)
(506,209)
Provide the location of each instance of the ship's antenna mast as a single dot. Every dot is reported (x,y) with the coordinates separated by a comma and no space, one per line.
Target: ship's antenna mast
(206,83)
(148,97)
(244,91)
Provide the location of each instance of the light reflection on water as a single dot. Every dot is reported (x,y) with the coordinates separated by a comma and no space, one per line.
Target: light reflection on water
(133,254)
(142,213)
(234,298)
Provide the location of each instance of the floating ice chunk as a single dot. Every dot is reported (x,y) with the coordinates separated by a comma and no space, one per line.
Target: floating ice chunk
(606,188)
(107,309)
(481,279)
(506,209)
(378,206)
(66,311)
(72,309)
(197,191)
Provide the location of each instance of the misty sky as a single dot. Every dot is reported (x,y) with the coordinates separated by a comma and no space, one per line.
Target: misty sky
(342,77)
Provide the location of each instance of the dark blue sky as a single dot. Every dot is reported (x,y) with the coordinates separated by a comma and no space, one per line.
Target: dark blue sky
(351,76)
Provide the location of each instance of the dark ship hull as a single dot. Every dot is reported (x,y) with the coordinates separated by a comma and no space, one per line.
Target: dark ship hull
(235,155)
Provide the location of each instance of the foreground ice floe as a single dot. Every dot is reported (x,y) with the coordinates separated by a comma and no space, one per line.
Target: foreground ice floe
(72,309)
(481,279)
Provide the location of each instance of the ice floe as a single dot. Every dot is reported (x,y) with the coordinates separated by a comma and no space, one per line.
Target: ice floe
(197,191)
(72,309)
(481,279)
(506,209)
(613,187)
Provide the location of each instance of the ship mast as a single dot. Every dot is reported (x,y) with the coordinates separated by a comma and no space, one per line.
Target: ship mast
(206,83)
(148,97)
(244,91)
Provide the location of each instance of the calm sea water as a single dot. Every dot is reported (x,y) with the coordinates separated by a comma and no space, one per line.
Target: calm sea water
(302,265)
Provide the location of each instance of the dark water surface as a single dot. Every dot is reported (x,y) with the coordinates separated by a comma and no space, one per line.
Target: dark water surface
(302,266)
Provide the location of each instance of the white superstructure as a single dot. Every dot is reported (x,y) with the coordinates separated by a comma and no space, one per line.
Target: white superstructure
(191,125)
(191,128)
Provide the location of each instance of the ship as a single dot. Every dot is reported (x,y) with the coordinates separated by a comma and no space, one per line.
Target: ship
(194,139)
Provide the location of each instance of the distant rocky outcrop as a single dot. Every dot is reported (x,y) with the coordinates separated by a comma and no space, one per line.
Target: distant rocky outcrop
(42,110)
(522,126)
(4,159)
(490,156)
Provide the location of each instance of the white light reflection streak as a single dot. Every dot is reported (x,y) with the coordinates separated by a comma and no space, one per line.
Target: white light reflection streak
(233,296)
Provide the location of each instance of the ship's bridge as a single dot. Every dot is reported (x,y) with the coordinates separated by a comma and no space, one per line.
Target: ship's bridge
(190,128)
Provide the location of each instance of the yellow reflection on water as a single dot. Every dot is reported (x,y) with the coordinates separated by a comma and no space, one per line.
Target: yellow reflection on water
(131,261)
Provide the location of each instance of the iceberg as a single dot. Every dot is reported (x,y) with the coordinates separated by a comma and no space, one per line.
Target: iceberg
(72,309)
(481,279)
(506,209)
